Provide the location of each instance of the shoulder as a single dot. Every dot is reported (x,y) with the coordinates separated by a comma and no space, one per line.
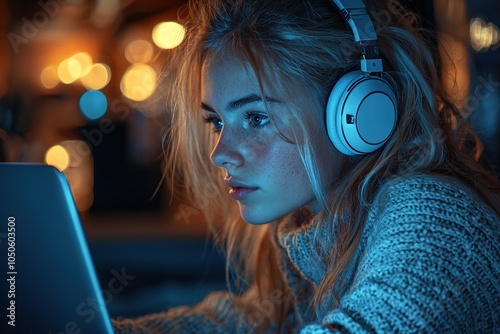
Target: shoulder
(434,220)
(431,248)
(429,259)
(430,205)
(435,196)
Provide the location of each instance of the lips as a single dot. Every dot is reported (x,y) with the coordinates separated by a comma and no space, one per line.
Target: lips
(239,190)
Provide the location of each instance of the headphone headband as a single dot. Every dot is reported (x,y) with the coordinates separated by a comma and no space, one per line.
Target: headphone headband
(355,15)
(361,112)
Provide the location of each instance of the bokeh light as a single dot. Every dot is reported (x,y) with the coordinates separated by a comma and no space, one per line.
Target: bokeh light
(85,61)
(105,12)
(138,82)
(168,35)
(49,77)
(69,70)
(78,151)
(97,77)
(58,157)
(80,172)
(139,51)
(484,35)
(93,104)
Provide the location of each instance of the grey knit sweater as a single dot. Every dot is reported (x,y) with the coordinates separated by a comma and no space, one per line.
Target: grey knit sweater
(428,262)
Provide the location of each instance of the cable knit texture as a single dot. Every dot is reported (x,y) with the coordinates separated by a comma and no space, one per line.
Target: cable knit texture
(428,261)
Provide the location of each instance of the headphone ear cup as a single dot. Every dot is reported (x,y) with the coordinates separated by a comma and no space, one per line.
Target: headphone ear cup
(361,113)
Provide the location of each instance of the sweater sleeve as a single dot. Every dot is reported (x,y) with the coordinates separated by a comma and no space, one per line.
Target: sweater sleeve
(431,263)
(215,314)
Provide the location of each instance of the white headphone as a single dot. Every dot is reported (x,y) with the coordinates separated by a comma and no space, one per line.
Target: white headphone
(361,111)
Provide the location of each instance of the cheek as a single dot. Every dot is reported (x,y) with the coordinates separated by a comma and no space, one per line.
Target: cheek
(279,156)
(260,149)
(260,153)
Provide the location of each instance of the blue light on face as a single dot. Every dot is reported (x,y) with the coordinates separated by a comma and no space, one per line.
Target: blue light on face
(93,104)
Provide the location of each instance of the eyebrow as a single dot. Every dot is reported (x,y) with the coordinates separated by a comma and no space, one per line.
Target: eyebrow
(241,102)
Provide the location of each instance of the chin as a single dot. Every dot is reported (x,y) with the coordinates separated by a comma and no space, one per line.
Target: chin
(253,220)
(257,217)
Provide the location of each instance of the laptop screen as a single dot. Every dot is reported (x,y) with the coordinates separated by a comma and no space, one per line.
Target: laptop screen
(49,284)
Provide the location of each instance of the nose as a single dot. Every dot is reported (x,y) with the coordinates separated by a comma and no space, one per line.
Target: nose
(226,153)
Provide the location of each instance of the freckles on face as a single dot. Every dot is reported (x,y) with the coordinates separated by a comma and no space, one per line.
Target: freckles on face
(275,156)
(266,175)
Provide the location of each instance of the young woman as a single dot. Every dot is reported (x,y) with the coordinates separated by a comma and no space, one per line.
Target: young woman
(397,231)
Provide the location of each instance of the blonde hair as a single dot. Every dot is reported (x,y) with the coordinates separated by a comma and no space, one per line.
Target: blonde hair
(302,48)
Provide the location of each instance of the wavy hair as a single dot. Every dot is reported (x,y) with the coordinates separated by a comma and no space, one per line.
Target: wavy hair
(299,49)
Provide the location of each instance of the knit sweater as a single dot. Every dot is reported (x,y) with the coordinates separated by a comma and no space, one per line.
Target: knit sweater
(428,261)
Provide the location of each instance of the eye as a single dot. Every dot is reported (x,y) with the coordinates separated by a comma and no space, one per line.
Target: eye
(215,121)
(256,120)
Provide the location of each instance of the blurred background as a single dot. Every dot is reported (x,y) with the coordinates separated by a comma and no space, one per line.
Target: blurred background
(79,90)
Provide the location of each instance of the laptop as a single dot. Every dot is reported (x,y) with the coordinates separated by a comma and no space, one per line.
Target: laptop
(48,281)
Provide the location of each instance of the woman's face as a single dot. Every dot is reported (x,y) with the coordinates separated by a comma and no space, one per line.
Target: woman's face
(264,173)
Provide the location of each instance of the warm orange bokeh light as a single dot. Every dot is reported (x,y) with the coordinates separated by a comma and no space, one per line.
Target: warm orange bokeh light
(49,77)
(97,77)
(69,70)
(139,51)
(138,82)
(58,157)
(168,35)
